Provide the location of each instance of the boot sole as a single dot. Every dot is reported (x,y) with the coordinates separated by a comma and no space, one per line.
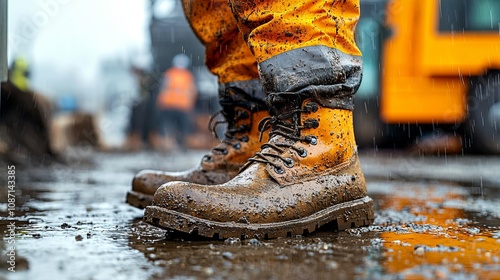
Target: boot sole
(138,199)
(341,216)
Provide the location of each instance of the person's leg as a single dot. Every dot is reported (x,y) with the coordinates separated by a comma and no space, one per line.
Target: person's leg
(185,126)
(133,140)
(227,54)
(168,131)
(308,173)
(178,123)
(240,95)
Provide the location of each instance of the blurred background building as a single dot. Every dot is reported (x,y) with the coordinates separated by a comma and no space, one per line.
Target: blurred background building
(431,77)
(84,56)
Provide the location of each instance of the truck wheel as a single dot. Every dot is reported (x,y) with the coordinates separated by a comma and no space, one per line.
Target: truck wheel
(484,114)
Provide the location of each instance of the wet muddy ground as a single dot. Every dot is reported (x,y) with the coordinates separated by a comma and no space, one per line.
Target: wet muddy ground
(437,217)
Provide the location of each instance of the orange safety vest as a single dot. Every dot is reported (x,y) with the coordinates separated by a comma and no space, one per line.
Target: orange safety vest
(179,90)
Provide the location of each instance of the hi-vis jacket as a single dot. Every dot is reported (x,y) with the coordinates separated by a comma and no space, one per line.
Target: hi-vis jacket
(178,91)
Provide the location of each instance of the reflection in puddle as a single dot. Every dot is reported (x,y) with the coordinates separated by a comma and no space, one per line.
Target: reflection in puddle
(423,236)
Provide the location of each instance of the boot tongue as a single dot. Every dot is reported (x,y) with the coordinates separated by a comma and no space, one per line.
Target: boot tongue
(234,96)
(237,108)
(283,103)
(285,114)
(284,123)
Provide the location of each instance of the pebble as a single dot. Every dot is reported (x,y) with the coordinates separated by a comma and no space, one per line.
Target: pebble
(232,241)
(282,257)
(208,271)
(78,238)
(254,242)
(420,251)
(332,265)
(472,230)
(65,225)
(228,255)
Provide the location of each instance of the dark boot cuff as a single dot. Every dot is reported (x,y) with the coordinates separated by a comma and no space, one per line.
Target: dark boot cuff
(240,92)
(327,75)
(252,88)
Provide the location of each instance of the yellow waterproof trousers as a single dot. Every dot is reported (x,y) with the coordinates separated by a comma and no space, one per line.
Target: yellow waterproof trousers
(227,54)
(302,46)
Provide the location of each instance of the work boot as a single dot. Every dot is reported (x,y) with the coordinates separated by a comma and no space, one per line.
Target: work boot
(307,175)
(242,110)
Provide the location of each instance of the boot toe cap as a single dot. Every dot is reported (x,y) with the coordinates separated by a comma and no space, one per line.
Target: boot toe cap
(148,181)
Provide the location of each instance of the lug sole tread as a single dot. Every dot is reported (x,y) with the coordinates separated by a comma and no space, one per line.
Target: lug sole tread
(342,216)
(139,200)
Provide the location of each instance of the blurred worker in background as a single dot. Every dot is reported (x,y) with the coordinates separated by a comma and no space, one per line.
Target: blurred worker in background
(176,101)
(288,71)
(19,73)
(26,115)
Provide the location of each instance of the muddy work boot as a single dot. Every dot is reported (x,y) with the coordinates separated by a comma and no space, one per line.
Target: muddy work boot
(307,175)
(242,112)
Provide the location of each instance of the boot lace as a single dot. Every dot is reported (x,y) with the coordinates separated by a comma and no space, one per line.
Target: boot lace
(236,105)
(230,138)
(232,130)
(287,124)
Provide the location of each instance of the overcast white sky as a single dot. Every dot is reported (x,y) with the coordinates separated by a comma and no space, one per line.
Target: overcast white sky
(77,34)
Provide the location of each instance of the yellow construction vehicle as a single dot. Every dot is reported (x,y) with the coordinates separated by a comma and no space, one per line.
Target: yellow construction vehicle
(428,64)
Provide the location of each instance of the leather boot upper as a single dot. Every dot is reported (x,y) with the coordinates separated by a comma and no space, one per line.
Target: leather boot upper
(309,163)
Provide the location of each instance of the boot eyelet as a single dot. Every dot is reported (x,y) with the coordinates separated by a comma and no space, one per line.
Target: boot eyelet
(224,152)
(312,140)
(302,152)
(244,139)
(237,146)
(312,107)
(314,123)
(279,170)
(288,162)
(207,158)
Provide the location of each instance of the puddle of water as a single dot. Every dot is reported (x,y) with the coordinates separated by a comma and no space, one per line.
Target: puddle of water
(74,224)
(315,257)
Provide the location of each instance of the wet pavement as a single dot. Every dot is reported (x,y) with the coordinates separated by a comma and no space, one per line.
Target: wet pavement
(437,217)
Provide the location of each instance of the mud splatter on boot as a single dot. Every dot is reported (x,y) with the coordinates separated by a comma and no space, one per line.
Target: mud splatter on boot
(307,175)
